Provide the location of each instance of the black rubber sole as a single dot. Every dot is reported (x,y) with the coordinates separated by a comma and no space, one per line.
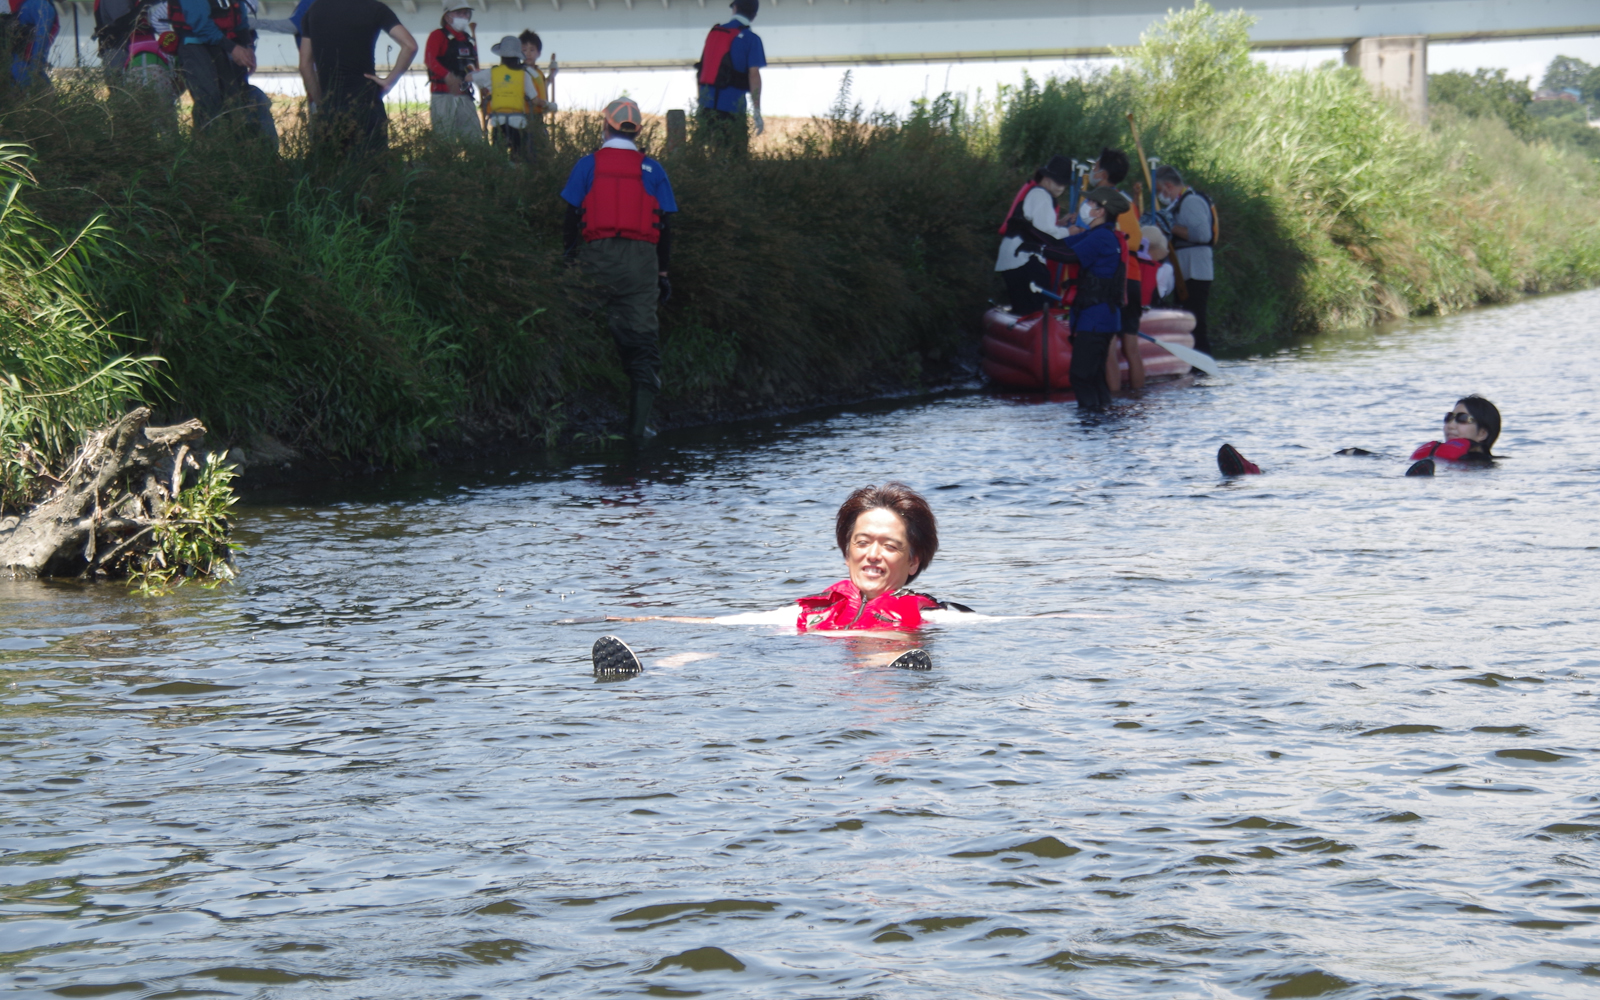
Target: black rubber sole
(1423,467)
(1230,462)
(913,659)
(612,657)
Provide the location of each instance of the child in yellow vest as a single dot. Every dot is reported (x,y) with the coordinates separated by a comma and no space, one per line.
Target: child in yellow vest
(517,93)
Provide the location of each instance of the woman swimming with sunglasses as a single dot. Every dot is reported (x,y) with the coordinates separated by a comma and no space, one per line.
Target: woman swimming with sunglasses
(1470,430)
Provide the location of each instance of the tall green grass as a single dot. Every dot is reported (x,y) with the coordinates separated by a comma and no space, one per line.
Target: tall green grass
(62,371)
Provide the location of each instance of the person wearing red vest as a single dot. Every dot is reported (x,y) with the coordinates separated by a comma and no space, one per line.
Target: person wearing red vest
(1471,428)
(451,56)
(619,205)
(729,70)
(888,536)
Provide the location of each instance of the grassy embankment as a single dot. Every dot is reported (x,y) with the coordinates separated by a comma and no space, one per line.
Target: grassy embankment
(362,316)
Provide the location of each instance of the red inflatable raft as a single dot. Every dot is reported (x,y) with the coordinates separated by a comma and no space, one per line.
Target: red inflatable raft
(1014,353)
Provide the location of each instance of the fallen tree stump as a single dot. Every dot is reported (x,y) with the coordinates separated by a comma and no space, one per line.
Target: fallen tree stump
(103,516)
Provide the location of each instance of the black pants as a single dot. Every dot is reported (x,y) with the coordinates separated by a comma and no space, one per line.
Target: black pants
(1199,296)
(353,121)
(1133,312)
(1025,300)
(728,130)
(212,79)
(1088,372)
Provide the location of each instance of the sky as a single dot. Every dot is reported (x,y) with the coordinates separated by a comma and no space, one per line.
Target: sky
(810,91)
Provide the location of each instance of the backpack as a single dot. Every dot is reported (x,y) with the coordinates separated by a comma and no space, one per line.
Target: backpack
(1215,226)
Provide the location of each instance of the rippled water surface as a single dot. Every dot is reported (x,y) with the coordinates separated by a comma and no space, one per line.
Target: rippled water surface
(1324,732)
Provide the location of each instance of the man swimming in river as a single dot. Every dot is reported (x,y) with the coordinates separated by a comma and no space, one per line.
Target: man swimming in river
(1470,429)
(888,536)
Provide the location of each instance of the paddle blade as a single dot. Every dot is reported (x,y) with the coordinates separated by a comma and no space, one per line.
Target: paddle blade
(1197,359)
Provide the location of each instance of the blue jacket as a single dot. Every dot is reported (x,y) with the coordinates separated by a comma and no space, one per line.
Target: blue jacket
(1099,253)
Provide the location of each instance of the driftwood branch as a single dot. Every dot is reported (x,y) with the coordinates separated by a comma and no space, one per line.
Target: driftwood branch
(107,502)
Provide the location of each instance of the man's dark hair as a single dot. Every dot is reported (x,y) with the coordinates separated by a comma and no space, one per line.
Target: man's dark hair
(1115,163)
(922,530)
(531,37)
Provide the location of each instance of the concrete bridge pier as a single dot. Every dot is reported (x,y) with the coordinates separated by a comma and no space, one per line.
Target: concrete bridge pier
(1396,66)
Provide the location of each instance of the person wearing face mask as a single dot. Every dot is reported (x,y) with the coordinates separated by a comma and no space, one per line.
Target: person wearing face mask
(1032,219)
(1100,290)
(517,95)
(1193,236)
(1109,171)
(451,57)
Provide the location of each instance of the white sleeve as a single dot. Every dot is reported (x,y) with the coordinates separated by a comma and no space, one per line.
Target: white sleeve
(778,616)
(1040,209)
(478,78)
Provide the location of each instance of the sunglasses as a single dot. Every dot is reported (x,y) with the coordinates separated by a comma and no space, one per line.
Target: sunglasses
(1459,418)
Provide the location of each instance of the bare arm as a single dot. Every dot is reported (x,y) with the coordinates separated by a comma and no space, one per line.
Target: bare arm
(408,52)
(755,88)
(308,72)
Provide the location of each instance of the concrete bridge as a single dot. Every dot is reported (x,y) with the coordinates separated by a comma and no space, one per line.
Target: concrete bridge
(667,34)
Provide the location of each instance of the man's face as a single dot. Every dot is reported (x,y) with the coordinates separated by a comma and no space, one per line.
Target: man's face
(1169,190)
(1097,177)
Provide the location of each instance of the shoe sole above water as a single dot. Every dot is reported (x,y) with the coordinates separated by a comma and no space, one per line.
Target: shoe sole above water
(611,656)
(913,659)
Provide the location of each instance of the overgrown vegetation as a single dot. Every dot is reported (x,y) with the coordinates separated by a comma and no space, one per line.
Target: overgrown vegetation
(1491,94)
(366,315)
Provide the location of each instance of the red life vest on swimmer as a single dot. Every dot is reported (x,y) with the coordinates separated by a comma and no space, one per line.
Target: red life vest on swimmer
(840,607)
(617,203)
(1452,450)
(716,59)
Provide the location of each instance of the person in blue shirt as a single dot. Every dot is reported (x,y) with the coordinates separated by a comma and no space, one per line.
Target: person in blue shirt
(1097,307)
(214,54)
(34,28)
(619,210)
(729,71)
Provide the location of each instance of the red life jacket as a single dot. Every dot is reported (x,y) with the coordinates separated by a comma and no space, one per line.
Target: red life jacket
(1130,263)
(1148,270)
(716,59)
(617,203)
(1452,450)
(840,607)
(1016,204)
(224,13)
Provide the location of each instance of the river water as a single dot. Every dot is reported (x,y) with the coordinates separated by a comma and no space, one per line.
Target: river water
(1324,732)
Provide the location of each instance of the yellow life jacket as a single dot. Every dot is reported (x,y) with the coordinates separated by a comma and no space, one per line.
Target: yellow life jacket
(541,89)
(506,94)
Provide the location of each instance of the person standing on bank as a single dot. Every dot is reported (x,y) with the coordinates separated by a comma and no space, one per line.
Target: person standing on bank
(729,70)
(339,69)
(1032,219)
(1101,292)
(214,46)
(517,100)
(1193,236)
(618,226)
(450,58)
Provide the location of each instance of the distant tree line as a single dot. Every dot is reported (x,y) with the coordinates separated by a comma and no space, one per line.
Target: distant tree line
(1490,93)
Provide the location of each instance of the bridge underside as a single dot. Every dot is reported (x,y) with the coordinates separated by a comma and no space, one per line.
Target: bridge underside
(667,34)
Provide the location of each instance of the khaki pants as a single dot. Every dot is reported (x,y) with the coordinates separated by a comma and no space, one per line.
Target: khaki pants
(454,117)
(625,272)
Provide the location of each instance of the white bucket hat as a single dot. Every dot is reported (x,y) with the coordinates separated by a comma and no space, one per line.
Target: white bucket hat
(507,46)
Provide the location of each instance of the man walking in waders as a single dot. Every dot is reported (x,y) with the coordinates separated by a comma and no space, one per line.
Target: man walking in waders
(729,70)
(619,208)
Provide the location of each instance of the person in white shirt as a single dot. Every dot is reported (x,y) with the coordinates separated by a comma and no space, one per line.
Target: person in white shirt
(1032,219)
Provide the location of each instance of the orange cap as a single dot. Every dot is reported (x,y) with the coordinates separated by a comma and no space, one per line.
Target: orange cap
(623,115)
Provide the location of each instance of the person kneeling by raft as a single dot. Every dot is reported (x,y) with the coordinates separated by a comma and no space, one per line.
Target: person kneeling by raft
(888,536)
(1471,428)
